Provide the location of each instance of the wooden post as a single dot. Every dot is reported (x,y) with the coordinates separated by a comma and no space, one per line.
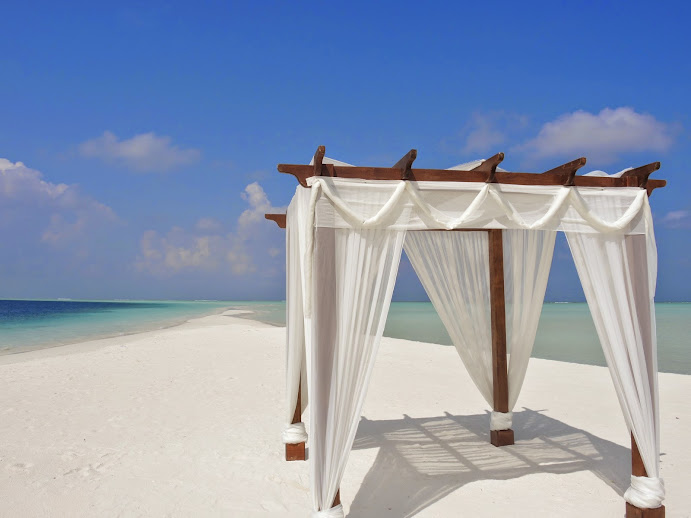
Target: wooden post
(497,302)
(638,470)
(296,451)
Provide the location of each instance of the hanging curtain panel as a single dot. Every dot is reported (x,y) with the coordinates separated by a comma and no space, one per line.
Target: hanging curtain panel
(356,271)
(454,270)
(527,263)
(296,368)
(453,267)
(617,273)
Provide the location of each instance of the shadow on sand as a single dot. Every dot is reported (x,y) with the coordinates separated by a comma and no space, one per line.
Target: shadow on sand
(420,461)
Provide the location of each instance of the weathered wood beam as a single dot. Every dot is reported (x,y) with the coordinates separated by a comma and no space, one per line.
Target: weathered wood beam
(568,170)
(638,470)
(641,174)
(406,163)
(490,166)
(302,172)
(500,378)
(296,451)
(280,219)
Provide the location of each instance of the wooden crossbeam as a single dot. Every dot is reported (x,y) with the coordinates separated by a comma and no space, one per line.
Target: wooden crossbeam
(642,173)
(568,170)
(406,163)
(490,166)
(486,172)
(302,172)
(318,159)
(280,219)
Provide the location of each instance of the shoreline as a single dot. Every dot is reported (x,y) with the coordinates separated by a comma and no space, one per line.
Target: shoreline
(23,349)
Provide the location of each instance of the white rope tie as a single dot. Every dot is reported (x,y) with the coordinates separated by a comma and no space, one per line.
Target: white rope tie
(645,492)
(294,433)
(500,421)
(334,512)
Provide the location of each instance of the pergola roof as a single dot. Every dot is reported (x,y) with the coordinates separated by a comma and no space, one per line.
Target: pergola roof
(487,171)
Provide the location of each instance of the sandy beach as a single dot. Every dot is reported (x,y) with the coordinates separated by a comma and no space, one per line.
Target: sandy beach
(186,421)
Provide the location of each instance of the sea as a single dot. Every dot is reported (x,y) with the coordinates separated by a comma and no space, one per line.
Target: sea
(566,331)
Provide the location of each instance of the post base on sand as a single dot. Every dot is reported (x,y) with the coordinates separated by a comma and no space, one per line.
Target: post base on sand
(501,437)
(636,512)
(295,451)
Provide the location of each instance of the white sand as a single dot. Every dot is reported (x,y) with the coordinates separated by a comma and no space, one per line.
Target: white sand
(186,421)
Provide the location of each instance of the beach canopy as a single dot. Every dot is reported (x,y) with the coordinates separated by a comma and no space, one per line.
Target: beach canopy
(481,241)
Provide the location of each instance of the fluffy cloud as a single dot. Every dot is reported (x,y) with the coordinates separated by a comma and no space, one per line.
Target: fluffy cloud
(146,152)
(210,247)
(33,209)
(486,131)
(601,136)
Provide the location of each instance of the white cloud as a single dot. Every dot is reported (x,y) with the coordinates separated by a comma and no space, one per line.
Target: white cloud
(601,136)
(677,219)
(485,132)
(32,208)
(208,224)
(146,152)
(210,247)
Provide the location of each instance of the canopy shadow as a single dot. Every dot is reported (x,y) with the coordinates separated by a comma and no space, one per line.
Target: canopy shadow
(421,460)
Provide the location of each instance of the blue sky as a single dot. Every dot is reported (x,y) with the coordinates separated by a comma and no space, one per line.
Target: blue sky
(138,145)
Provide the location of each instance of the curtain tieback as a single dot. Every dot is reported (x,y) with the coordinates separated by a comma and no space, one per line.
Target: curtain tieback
(334,512)
(501,421)
(645,492)
(294,433)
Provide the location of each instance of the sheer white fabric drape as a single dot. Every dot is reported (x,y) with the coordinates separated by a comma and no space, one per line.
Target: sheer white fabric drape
(618,277)
(356,271)
(296,368)
(527,263)
(454,270)
(453,267)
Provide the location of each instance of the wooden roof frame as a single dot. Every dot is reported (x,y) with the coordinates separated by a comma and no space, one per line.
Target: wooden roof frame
(564,174)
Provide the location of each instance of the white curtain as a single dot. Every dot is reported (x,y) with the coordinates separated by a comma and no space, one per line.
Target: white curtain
(618,277)
(296,368)
(527,263)
(454,270)
(356,272)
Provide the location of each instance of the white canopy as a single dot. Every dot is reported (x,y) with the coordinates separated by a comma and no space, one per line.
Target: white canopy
(344,242)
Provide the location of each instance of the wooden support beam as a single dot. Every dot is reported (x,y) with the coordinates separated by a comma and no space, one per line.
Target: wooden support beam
(490,166)
(641,174)
(500,382)
(638,470)
(296,451)
(568,170)
(302,172)
(317,161)
(280,219)
(405,164)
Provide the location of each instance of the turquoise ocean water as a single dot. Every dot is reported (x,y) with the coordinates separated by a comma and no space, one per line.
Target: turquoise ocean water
(566,331)
(31,324)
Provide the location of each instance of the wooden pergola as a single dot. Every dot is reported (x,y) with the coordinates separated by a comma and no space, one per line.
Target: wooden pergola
(486,172)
